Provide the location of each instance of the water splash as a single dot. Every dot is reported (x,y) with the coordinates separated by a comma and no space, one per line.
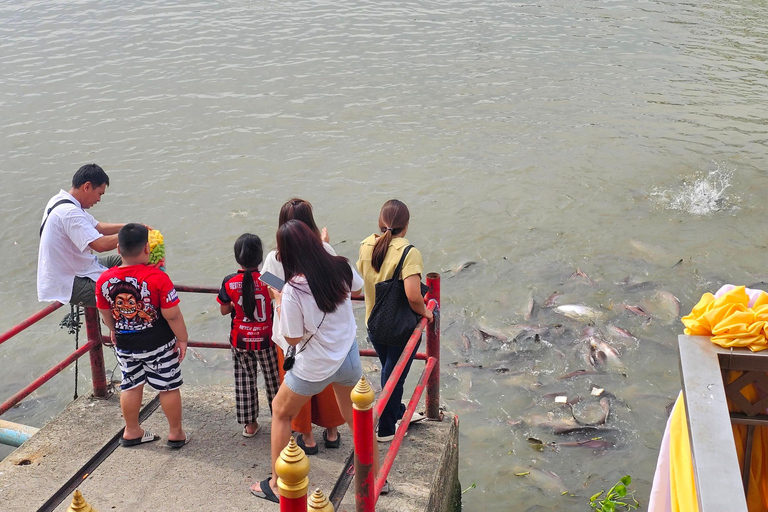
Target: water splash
(702,194)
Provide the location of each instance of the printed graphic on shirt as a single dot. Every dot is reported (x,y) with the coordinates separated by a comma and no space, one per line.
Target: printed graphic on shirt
(130,304)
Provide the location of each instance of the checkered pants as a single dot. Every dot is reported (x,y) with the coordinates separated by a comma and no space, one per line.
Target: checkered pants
(246,394)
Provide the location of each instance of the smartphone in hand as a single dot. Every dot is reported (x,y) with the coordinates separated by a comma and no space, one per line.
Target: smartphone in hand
(272,280)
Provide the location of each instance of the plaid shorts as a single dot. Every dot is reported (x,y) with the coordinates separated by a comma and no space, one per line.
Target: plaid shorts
(160,368)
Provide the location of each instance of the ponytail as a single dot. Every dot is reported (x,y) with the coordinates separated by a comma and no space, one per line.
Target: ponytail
(249,299)
(393,219)
(248,253)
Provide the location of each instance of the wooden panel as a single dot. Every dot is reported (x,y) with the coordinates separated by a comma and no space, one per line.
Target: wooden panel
(716,467)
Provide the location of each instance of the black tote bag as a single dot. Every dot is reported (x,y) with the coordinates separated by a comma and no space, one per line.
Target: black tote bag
(392,320)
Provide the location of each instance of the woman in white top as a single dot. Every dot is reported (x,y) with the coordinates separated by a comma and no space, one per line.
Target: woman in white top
(316,317)
(321,410)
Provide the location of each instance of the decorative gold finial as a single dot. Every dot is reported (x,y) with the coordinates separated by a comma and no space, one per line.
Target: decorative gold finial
(79,504)
(292,468)
(363,395)
(317,502)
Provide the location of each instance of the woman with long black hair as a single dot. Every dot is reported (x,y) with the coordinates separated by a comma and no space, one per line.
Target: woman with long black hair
(380,254)
(315,311)
(321,409)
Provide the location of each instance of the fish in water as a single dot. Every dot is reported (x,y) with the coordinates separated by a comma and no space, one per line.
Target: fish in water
(558,425)
(579,312)
(597,443)
(461,266)
(668,302)
(545,480)
(529,308)
(581,273)
(590,414)
(643,285)
(620,332)
(637,310)
(551,300)
(490,332)
(578,373)
(598,352)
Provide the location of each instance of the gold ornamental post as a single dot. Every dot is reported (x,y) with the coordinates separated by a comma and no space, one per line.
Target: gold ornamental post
(319,503)
(79,504)
(292,468)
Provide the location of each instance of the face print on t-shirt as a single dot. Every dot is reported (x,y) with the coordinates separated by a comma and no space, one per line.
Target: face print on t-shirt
(129,304)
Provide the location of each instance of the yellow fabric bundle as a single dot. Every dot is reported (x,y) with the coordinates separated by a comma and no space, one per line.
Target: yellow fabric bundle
(729,320)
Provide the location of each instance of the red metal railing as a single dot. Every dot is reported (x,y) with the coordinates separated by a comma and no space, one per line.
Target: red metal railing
(13,331)
(93,347)
(429,380)
(364,423)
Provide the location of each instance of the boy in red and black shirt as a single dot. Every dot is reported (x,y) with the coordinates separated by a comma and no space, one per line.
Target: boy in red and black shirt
(247,300)
(139,304)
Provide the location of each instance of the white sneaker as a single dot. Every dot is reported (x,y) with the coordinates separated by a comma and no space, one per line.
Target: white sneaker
(417,417)
(384,439)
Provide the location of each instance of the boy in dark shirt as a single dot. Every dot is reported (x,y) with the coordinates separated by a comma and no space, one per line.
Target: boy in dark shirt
(139,304)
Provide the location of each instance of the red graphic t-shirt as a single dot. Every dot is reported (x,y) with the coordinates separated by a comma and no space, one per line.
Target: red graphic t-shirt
(135,296)
(248,333)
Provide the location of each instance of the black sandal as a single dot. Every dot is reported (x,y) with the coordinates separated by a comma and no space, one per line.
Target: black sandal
(332,444)
(312,450)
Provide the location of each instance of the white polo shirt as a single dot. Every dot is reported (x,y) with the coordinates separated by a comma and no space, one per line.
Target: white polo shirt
(64,253)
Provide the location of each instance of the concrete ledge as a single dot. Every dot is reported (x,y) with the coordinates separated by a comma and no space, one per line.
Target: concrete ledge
(213,472)
(39,467)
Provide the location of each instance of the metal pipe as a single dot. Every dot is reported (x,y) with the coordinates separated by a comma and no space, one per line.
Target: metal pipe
(13,331)
(207,344)
(98,370)
(195,289)
(14,434)
(433,349)
(394,448)
(52,372)
(369,352)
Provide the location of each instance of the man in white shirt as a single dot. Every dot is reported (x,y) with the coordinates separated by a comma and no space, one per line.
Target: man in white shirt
(67,269)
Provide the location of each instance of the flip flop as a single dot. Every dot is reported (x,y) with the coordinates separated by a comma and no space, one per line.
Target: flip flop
(180,443)
(332,444)
(245,430)
(266,492)
(148,437)
(311,450)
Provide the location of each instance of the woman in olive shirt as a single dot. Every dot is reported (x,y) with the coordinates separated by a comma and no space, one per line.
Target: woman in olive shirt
(379,256)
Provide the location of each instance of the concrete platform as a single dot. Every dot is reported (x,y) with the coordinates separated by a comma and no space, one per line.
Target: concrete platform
(214,471)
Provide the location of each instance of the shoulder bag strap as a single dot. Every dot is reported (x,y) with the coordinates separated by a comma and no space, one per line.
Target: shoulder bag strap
(48,213)
(399,267)
(312,336)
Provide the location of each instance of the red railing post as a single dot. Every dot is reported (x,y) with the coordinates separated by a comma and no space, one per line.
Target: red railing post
(98,371)
(433,350)
(365,475)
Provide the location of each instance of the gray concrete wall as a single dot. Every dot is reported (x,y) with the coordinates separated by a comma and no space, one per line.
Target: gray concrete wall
(445,494)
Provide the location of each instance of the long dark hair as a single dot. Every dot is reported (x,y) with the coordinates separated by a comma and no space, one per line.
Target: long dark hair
(302,253)
(393,219)
(299,209)
(248,254)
